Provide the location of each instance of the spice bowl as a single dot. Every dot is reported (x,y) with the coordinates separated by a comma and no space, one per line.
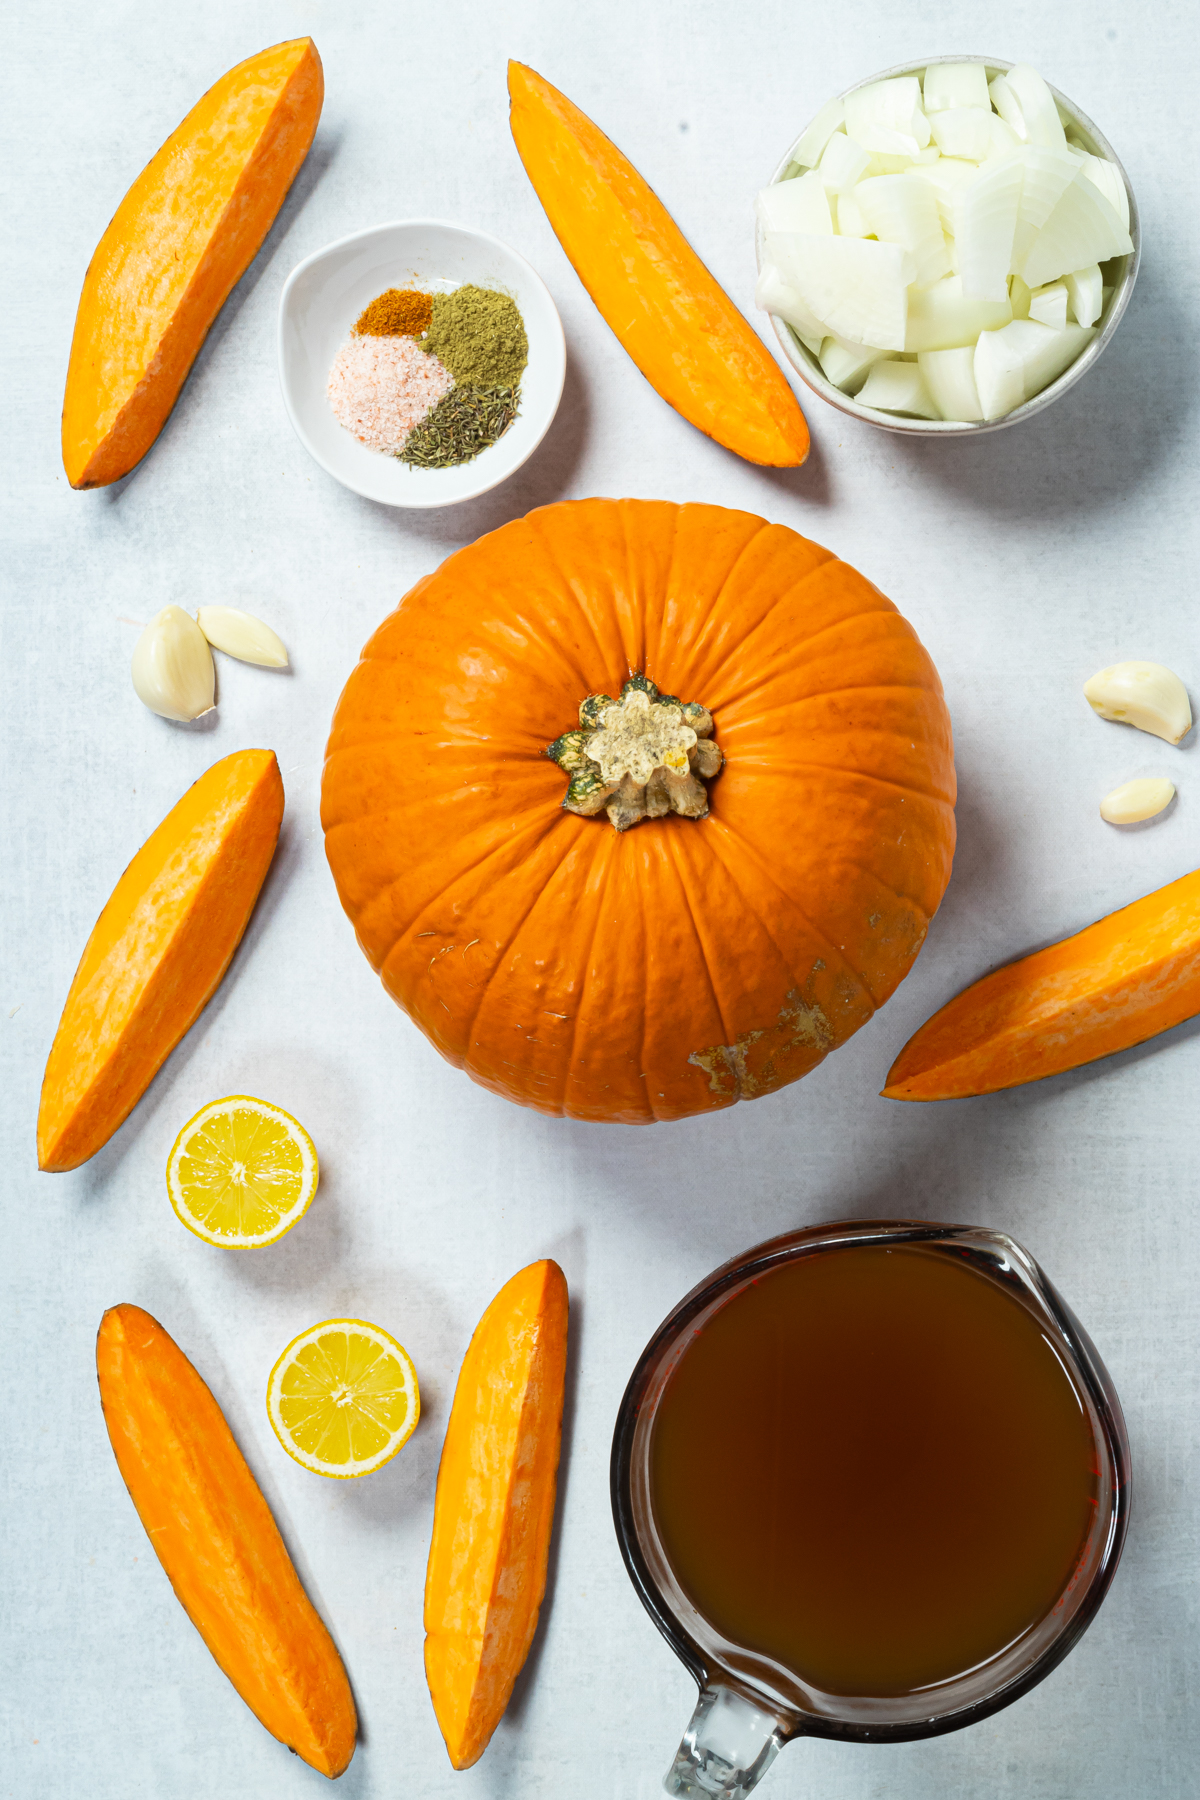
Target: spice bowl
(1119,276)
(328,291)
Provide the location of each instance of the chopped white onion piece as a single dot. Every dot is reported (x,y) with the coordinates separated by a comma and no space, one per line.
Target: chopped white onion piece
(999,373)
(847,365)
(1048,305)
(945,177)
(808,151)
(985,221)
(950,382)
(1107,178)
(898,387)
(940,319)
(1007,105)
(796,205)
(775,295)
(1025,355)
(857,288)
(1048,174)
(1038,110)
(1049,354)
(964,131)
(849,222)
(901,165)
(1082,229)
(1019,294)
(1085,292)
(843,163)
(1003,137)
(886,116)
(902,209)
(949,85)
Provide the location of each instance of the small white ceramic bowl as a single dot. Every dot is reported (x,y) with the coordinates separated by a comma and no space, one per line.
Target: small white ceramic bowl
(325,295)
(1123,274)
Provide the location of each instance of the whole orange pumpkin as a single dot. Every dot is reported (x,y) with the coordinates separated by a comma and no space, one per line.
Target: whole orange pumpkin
(631,955)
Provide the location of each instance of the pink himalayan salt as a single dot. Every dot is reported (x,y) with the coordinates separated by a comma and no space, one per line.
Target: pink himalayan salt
(380,387)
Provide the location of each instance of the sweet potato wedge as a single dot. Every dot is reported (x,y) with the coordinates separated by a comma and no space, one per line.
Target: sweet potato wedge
(1123,980)
(495,1508)
(186,231)
(213,1533)
(157,953)
(678,324)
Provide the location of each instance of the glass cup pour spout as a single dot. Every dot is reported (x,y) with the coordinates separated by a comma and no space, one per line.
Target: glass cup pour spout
(750,1705)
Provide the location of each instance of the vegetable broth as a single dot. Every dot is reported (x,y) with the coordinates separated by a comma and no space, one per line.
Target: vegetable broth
(871,1466)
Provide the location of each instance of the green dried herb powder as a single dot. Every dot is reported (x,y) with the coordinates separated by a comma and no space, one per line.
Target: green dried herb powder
(480,337)
(464,422)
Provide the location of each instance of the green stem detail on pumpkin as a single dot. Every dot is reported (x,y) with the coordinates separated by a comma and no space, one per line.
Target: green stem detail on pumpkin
(639,757)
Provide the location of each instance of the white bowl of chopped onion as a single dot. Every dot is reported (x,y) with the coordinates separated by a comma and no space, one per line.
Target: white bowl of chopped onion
(947,247)
(324,296)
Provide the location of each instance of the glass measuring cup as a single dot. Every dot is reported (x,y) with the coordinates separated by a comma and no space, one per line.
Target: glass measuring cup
(750,1705)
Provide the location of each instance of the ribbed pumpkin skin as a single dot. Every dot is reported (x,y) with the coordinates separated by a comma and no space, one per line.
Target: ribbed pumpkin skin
(682,965)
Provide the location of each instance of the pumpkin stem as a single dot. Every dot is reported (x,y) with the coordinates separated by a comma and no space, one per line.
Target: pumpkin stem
(638,757)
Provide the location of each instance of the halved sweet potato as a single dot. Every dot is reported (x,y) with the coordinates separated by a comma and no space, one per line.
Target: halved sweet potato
(214,1535)
(183,235)
(677,323)
(1123,980)
(495,1508)
(158,952)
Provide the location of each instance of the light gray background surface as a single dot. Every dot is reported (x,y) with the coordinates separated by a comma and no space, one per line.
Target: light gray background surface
(1026,561)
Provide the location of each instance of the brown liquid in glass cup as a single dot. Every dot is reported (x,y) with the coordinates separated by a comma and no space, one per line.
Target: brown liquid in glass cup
(871,1482)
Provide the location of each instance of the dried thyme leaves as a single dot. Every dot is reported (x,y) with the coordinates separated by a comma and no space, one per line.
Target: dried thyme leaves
(465,421)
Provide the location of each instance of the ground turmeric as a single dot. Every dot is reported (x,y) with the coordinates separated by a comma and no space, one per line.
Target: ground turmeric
(400,312)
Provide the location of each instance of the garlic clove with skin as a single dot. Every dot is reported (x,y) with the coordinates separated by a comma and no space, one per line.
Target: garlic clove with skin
(1134,801)
(241,635)
(172,668)
(1146,695)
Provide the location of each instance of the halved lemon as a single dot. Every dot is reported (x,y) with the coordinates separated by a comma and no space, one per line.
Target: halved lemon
(241,1173)
(343,1398)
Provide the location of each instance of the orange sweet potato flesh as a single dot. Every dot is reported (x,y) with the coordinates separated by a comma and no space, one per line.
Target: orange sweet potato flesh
(1121,981)
(158,953)
(677,323)
(213,1533)
(495,1508)
(183,235)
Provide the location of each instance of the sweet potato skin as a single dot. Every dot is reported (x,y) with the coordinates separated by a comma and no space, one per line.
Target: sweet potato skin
(495,1508)
(158,953)
(214,1535)
(1125,979)
(670,314)
(184,234)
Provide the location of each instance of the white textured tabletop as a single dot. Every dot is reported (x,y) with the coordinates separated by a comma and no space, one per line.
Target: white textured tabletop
(1025,561)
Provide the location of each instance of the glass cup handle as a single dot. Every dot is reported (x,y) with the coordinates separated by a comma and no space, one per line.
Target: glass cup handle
(727,1748)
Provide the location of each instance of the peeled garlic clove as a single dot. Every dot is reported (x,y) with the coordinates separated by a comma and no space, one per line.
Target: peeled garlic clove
(240,634)
(173,670)
(1134,801)
(1142,694)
